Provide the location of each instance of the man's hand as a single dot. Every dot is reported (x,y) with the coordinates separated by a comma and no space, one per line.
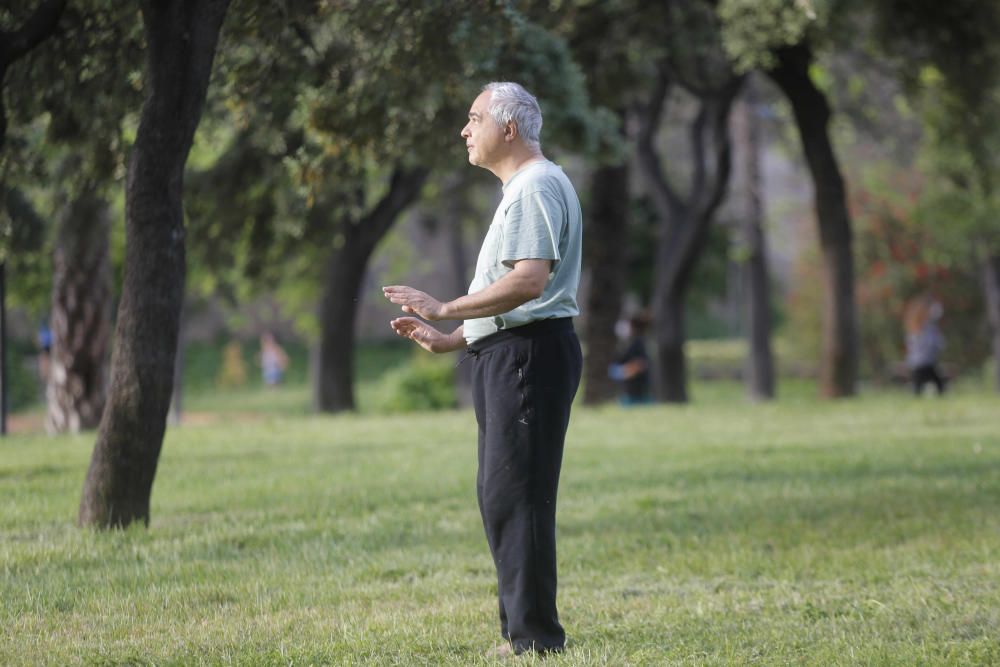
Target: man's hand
(427,336)
(414,301)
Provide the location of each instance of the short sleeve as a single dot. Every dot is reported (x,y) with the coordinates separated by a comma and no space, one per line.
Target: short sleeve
(532,227)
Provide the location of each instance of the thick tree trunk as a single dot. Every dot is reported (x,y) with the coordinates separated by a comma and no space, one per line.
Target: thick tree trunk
(671,378)
(839,363)
(759,377)
(333,380)
(81,316)
(334,384)
(991,292)
(607,235)
(181,39)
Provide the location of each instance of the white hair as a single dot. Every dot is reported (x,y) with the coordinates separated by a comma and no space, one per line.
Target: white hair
(511,102)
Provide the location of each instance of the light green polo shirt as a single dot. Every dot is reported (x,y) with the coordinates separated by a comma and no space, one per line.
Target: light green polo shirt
(539,217)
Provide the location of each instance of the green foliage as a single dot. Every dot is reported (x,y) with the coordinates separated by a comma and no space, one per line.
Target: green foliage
(858,533)
(753,29)
(426,383)
(315,141)
(23,383)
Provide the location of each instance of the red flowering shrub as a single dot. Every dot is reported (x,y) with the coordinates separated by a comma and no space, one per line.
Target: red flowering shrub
(895,260)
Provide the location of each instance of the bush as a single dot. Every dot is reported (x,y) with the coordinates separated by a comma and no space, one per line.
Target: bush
(425,384)
(896,259)
(22,376)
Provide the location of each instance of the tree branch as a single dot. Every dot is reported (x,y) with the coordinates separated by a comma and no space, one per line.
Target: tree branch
(665,199)
(39,26)
(404,188)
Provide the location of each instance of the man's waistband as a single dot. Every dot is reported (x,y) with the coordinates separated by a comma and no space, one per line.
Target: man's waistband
(531,330)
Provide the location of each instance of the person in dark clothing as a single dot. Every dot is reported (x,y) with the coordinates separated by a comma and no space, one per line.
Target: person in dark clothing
(526,360)
(631,368)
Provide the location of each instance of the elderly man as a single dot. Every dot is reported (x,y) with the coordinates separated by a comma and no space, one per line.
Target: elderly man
(519,335)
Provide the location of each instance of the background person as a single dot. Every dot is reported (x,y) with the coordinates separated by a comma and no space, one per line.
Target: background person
(924,343)
(273,359)
(631,368)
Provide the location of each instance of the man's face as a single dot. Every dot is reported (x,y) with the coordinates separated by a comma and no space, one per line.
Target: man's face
(484,139)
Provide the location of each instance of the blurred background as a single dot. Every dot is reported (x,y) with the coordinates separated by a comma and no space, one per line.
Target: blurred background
(777,194)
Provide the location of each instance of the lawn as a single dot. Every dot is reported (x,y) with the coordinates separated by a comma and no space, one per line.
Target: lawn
(856,532)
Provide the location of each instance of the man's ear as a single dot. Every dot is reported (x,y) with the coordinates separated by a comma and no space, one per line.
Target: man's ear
(510,131)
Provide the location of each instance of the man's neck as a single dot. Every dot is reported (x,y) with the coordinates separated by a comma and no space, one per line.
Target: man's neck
(516,161)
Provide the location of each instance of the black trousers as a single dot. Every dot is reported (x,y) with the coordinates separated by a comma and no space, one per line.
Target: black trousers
(924,374)
(524,381)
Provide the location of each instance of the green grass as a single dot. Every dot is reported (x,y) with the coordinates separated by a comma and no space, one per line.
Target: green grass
(863,532)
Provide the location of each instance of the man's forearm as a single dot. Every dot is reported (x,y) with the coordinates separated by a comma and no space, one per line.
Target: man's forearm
(501,297)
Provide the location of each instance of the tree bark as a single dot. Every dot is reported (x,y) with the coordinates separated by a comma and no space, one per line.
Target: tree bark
(334,388)
(684,222)
(81,316)
(839,363)
(333,382)
(991,291)
(181,39)
(759,377)
(607,237)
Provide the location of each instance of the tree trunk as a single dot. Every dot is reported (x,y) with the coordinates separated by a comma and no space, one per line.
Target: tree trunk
(671,376)
(991,292)
(333,383)
(607,236)
(759,377)
(81,316)
(839,363)
(684,222)
(181,38)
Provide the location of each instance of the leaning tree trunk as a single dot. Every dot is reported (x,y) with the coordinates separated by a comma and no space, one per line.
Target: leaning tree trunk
(81,316)
(181,38)
(333,382)
(607,236)
(759,377)
(839,363)
(991,292)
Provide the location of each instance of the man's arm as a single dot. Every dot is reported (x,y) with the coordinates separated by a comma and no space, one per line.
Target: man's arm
(526,281)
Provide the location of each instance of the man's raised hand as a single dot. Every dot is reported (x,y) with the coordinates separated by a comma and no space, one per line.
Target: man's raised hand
(415,302)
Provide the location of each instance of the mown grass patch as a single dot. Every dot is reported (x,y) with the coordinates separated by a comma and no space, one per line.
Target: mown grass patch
(854,532)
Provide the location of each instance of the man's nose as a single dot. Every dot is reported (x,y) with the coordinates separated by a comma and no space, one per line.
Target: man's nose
(465,132)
